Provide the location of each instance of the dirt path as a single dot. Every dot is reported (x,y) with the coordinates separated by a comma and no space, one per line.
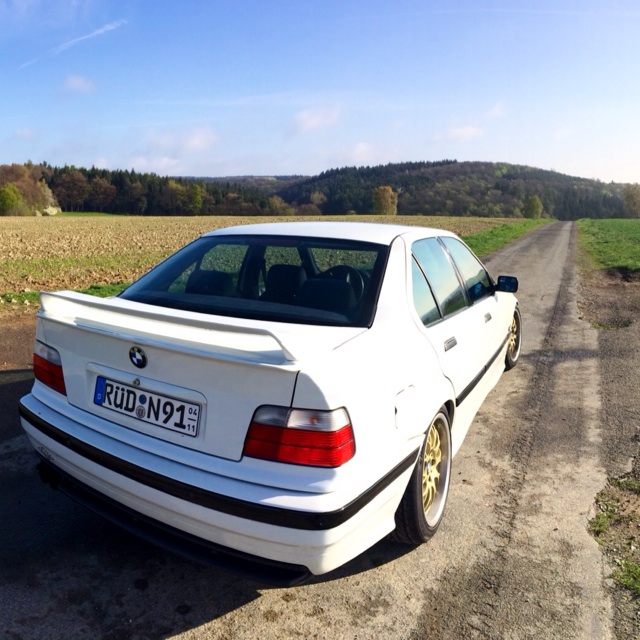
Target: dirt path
(513,558)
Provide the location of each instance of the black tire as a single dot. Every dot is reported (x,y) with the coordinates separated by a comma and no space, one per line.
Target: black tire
(514,345)
(420,511)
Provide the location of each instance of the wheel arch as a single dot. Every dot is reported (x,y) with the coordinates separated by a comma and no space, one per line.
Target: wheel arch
(450,407)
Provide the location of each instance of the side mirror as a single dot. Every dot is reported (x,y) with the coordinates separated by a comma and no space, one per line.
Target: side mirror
(508,284)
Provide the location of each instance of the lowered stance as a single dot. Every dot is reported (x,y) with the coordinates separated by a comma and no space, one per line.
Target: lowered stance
(274,398)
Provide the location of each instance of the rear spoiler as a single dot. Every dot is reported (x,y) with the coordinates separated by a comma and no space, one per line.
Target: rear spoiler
(227,339)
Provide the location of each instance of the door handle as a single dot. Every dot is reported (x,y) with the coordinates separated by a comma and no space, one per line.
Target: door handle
(450,343)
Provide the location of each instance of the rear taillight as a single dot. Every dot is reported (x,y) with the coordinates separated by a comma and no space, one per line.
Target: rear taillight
(301,436)
(47,367)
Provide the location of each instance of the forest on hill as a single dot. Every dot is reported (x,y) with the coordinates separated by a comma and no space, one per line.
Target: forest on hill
(460,189)
(448,187)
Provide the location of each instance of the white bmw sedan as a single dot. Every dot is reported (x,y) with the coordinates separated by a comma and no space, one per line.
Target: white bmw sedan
(274,398)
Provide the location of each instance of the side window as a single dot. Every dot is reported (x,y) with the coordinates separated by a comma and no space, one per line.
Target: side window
(441,275)
(476,279)
(423,299)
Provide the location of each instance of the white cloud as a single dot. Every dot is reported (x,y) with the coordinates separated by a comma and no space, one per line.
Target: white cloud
(363,152)
(79,84)
(498,110)
(198,140)
(318,118)
(181,143)
(28,63)
(173,152)
(459,134)
(72,43)
(94,34)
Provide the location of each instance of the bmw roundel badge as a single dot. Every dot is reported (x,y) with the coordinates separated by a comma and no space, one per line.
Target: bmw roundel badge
(138,357)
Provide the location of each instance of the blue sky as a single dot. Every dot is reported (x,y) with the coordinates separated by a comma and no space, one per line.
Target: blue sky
(274,87)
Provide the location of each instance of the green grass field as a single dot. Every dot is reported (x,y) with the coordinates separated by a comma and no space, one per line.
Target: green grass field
(611,244)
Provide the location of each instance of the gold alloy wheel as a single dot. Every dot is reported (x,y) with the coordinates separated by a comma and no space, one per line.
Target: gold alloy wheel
(431,468)
(420,511)
(513,337)
(514,341)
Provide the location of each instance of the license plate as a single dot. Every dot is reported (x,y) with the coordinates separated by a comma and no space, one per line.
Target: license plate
(153,408)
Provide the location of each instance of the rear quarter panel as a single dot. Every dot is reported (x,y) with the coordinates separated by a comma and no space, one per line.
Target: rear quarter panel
(388,378)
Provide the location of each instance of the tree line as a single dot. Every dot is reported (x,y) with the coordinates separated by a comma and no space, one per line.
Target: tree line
(29,189)
(446,187)
(453,188)
(130,192)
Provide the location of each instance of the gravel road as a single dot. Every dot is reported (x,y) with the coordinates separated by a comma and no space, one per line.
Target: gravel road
(513,558)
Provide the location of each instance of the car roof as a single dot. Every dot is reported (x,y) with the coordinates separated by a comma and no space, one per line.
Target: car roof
(364,231)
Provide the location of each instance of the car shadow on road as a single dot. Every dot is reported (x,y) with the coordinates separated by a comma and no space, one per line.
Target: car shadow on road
(66,572)
(70,572)
(14,384)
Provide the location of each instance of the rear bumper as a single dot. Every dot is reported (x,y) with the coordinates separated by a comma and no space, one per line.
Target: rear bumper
(217,528)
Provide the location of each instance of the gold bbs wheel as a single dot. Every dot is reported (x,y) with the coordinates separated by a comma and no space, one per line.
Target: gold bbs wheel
(421,508)
(431,468)
(514,341)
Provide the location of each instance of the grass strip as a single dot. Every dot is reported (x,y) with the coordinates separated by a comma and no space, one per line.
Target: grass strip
(491,240)
(628,575)
(610,244)
(614,527)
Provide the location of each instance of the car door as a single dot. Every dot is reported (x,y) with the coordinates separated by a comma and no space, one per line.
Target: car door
(455,328)
(481,297)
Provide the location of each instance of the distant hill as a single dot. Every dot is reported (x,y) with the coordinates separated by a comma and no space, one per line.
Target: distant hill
(458,189)
(447,187)
(266,184)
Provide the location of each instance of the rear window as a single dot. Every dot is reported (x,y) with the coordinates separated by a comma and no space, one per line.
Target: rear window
(279,279)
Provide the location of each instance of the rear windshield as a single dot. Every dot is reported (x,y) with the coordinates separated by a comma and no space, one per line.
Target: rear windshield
(279,279)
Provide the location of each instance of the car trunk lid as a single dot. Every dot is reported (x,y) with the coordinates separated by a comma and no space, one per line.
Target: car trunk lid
(183,377)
